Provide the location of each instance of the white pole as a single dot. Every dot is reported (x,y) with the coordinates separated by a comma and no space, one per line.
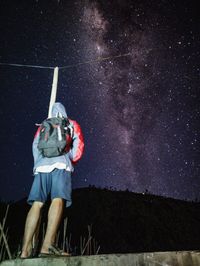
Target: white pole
(53,90)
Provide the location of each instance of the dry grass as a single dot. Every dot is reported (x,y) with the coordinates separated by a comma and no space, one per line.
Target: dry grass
(5,250)
(88,245)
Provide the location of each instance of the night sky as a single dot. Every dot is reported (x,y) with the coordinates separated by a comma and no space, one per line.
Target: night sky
(139,113)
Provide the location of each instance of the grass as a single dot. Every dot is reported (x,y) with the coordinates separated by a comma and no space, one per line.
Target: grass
(87,246)
(5,250)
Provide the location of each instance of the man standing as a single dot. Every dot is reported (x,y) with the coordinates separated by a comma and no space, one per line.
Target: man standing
(52,178)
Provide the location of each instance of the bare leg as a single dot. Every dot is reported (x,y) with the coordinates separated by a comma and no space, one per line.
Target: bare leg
(30,228)
(36,237)
(54,217)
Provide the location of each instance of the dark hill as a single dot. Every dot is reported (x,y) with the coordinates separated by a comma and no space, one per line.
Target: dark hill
(121,221)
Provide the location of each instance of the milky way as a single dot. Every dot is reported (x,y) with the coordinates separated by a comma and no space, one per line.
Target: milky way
(135,95)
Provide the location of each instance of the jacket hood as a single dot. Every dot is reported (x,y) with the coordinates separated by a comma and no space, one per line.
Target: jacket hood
(57,109)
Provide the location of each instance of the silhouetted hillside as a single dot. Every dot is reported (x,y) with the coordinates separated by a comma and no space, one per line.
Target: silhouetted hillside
(121,221)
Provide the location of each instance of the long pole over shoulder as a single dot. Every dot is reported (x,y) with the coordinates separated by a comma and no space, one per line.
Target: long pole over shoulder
(53,90)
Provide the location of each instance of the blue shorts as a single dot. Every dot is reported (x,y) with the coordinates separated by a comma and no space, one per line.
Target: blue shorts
(56,184)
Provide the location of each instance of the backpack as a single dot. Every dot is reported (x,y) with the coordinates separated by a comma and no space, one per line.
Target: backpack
(54,135)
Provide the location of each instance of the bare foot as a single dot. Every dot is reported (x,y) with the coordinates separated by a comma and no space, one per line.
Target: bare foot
(25,255)
(53,250)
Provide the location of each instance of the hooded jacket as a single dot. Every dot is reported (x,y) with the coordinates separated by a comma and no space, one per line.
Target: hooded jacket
(74,153)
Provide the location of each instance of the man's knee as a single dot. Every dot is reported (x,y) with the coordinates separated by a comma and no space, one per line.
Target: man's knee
(37,204)
(57,201)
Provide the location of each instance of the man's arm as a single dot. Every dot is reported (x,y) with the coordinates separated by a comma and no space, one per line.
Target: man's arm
(77,149)
(35,150)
